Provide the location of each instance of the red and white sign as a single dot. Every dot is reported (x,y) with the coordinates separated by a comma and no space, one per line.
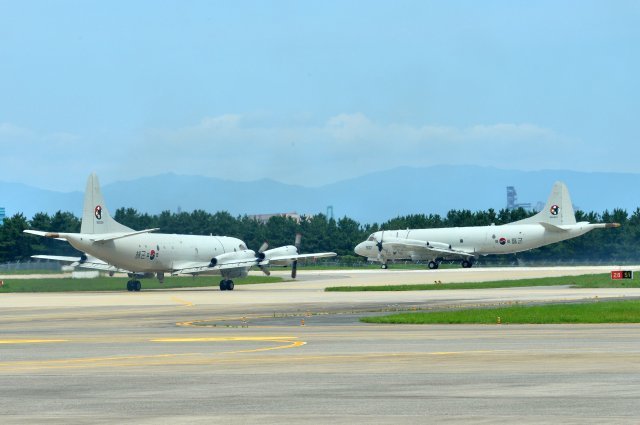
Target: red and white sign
(621,274)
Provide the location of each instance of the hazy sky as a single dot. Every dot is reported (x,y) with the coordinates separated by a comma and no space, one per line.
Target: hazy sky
(314,92)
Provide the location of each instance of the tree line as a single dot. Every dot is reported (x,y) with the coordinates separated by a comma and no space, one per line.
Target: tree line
(321,233)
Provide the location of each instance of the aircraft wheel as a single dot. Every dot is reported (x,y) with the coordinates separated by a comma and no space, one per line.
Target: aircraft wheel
(384,266)
(433,265)
(129,286)
(466,264)
(223,285)
(230,285)
(137,286)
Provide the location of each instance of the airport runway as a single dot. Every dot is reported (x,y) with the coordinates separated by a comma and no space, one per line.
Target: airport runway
(205,356)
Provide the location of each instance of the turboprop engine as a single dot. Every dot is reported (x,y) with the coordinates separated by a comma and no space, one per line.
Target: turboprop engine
(279,252)
(229,257)
(272,256)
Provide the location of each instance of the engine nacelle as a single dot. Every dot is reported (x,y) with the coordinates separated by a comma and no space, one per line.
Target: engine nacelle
(438,245)
(283,251)
(231,257)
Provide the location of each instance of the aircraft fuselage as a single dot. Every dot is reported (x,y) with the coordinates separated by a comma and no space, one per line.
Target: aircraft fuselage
(477,240)
(155,252)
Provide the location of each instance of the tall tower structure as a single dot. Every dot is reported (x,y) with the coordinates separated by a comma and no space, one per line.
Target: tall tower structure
(330,212)
(512,197)
(512,200)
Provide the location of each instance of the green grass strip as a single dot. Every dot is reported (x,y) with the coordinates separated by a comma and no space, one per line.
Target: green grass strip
(582,281)
(595,312)
(120,283)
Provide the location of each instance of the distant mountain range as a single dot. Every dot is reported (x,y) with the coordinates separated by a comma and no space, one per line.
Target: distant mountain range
(376,197)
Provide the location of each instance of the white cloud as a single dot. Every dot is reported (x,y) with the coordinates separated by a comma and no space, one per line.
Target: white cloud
(9,131)
(345,145)
(235,147)
(226,121)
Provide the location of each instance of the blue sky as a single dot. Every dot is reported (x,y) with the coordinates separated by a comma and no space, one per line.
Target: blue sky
(314,92)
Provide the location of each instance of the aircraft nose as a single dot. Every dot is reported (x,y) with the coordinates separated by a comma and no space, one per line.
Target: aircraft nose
(360,249)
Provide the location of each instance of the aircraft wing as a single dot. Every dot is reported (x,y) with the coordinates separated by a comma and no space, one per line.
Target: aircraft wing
(296,257)
(422,247)
(227,264)
(205,267)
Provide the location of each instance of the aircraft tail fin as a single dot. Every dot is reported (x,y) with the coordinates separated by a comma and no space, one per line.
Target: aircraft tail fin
(95,216)
(558,210)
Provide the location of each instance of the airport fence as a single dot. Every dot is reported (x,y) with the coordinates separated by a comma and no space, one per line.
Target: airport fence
(30,265)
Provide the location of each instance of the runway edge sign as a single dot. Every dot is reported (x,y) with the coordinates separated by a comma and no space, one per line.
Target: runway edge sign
(621,274)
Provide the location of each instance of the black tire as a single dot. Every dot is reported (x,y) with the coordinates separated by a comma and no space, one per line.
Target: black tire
(230,285)
(466,264)
(129,286)
(433,265)
(137,286)
(223,285)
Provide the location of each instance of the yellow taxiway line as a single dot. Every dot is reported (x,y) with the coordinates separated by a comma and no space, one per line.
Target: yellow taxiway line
(31,341)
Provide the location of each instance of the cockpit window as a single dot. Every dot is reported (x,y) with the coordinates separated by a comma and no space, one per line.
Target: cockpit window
(242,247)
(371,238)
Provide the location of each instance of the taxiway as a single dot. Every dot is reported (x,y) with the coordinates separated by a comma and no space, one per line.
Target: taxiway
(292,353)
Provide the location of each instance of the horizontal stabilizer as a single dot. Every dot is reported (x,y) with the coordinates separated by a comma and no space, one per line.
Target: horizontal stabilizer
(52,235)
(553,228)
(57,258)
(85,262)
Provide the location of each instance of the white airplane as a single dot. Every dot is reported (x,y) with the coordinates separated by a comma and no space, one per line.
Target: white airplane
(112,247)
(555,223)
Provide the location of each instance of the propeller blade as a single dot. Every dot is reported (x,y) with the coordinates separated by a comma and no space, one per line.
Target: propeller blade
(294,269)
(379,243)
(298,240)
(264,270)
(380,246)
(264,246)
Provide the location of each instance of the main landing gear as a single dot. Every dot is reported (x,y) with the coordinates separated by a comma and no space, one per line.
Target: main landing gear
(466,264)
(134,285)
(226,285)
(433,265)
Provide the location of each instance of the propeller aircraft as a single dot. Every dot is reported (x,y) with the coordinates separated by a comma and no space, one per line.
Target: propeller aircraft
(112,247)
(555,223)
